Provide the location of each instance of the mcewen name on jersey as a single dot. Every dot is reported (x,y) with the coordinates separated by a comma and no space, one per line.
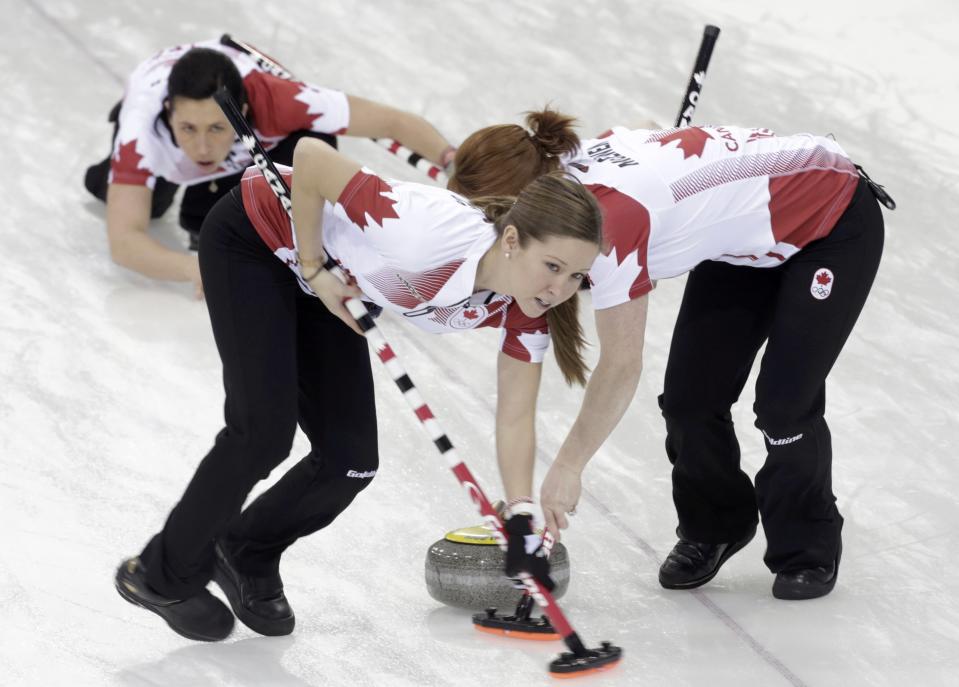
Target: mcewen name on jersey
(412,249)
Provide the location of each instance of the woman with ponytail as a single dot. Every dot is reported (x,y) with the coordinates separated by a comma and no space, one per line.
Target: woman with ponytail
(715,202)
(501,160)
(292,355)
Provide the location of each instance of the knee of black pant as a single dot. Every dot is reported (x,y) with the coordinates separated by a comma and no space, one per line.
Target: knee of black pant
(674,409)
(799,451)
(686,411)
(783,413)
(780,429)
(798,470)
(345,452)
(781,404)
(360,470)
(352,464)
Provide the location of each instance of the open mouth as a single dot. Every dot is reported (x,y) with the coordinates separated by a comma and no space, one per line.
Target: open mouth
(541,303)
(206,163)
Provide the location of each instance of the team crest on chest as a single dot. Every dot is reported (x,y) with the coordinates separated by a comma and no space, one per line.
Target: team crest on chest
(822,283)
(468,317)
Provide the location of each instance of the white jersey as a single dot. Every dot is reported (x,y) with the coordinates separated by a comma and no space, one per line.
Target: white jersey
(674,198)
(412,249)
(144,148)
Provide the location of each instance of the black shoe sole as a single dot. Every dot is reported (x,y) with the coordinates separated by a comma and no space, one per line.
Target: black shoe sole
(804,593)
(269,628)
(700,581)
(128,596)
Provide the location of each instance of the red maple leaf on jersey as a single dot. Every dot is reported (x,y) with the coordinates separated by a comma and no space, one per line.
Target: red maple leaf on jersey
(625,222)
(823,278)
(126,165)
(276,109)
(127,155)
(692,140)
(470,314)
(370,200)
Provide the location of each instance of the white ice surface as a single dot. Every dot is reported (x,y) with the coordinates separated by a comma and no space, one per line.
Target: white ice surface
(110,386)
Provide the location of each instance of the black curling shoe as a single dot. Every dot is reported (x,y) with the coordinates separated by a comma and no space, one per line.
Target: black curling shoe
(809,583)
(259,602)
(202,617)
(691,564)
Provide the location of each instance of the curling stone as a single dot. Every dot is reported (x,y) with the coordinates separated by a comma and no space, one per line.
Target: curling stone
(465,569)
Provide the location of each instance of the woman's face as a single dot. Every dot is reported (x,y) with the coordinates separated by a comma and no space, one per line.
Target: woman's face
(201,130)
(546,273)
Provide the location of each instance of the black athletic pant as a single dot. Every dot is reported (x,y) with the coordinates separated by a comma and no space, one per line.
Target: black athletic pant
(286,360)
(727,313)
(198,199)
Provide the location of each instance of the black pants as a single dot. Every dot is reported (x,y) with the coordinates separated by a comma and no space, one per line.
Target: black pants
(198,199)
(727,313)
(286,360)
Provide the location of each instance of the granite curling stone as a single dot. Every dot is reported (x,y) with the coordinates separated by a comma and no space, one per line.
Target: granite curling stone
(465,569)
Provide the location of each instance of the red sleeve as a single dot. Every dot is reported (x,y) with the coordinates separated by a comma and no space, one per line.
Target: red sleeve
(619,274)
(281,106)
(264,210)
(125,166)
(524,338)
(366,196)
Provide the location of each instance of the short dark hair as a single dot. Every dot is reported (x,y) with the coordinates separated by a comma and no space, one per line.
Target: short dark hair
(201,72)
(198,75)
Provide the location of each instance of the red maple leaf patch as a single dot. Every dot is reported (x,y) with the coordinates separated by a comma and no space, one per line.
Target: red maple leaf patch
(823,278)
(626,221)
(127,155)
(692,140)
(276,109)
(470,314)
(368,199)
(126,165)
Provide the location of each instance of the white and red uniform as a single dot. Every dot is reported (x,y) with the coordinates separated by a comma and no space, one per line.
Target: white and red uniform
(413,249)
(674,198)
(144,149)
